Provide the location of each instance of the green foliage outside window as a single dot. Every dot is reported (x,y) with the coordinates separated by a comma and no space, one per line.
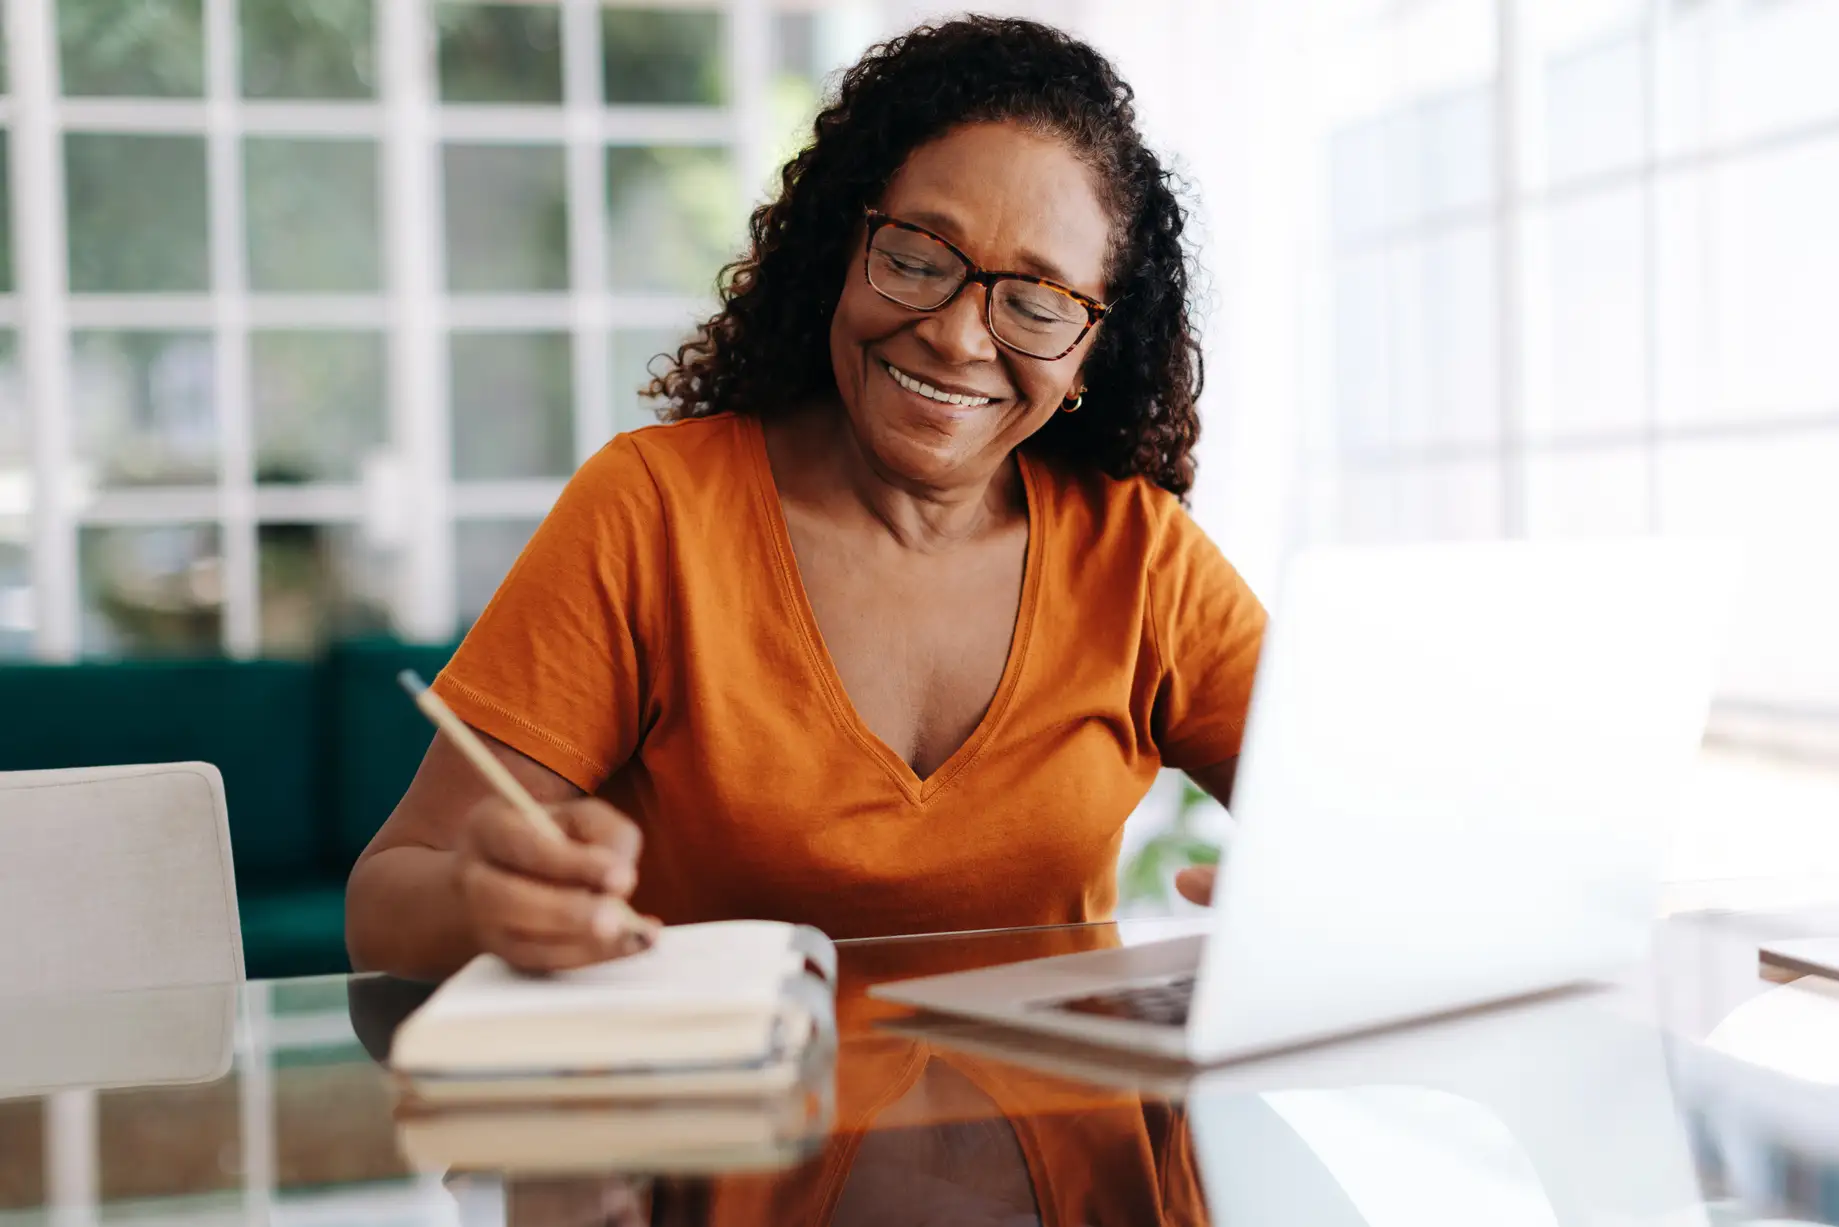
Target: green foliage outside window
(1147,877)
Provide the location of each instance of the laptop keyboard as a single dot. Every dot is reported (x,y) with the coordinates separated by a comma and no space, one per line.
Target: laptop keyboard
(1164,1003)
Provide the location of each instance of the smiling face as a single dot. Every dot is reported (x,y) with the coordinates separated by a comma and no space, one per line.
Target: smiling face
(932,397)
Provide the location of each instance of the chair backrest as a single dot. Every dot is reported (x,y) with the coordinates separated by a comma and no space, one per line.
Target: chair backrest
(116,878)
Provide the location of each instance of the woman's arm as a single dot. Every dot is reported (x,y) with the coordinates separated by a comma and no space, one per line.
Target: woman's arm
(455,870)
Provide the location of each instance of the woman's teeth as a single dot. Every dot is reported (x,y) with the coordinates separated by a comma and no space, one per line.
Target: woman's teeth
(931,393)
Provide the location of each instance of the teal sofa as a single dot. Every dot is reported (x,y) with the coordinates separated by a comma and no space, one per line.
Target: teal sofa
(314,755)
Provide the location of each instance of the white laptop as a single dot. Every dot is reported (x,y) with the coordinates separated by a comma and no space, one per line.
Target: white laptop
(1457,787)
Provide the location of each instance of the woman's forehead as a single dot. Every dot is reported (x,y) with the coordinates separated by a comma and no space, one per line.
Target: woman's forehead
(1012,199)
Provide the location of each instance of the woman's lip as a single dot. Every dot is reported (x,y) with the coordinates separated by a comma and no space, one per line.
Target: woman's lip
(937,410)
(943,387)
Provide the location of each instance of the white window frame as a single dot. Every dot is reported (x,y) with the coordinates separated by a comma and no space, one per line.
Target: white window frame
(1517,108)
(414,309)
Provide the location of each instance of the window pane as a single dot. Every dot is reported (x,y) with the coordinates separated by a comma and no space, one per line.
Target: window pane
(1778,493)
(312,215)
(1443,326)
(1370,504)
(1430,501)
(1774,68)
(1403,135)
(483,553)
(318,402)
(1587,317)
(507,219)
(500,52)
(16,616)
(1458,150)
(1775,263)
(662,57)
(154,591)
(636,353)
(1594,108)
(1357,178)
(513,406)
(15,430)
(6,210)
(808,46)
(132,48)
(1681,122)
(145,407)
(1684,300)
(16,613)
(308,49)
(673,218)
(1453,501)
(139,213)
(318,582)
(1595,493)
(1363,353)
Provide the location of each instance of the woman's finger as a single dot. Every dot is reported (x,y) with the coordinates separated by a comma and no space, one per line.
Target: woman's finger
(511,902)
(503,836)
(591,821)
(1196,883)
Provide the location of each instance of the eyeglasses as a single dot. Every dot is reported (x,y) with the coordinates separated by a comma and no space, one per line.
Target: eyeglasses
(912,266)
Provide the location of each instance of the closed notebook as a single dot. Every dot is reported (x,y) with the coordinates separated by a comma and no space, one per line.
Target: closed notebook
(723,1009)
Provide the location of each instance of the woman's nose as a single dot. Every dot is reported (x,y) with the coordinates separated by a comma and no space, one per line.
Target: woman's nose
(957,332)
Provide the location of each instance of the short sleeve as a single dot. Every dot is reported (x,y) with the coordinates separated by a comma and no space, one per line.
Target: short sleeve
(1209,627)
(557,667)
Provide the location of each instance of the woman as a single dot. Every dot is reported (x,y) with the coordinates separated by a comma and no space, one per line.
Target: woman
(893,622)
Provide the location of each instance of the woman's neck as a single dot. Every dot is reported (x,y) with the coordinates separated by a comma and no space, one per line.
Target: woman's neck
(824,465)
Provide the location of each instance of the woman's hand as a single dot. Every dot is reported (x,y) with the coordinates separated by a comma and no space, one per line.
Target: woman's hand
(543,904)
(1196,883)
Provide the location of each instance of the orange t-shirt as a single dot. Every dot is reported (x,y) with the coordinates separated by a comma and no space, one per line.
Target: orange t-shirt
(653,644)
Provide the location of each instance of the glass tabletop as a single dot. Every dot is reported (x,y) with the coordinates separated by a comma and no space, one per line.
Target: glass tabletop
(270,1102)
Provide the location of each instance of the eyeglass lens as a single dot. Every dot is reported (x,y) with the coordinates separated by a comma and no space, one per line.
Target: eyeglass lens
(920,272)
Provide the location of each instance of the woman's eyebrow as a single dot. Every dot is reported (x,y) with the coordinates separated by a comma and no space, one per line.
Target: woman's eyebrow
(1024,262)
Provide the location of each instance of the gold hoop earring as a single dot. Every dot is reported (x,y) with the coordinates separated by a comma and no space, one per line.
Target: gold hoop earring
(1072,406)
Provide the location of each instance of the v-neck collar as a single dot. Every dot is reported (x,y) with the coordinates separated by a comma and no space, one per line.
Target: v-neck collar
(823,666)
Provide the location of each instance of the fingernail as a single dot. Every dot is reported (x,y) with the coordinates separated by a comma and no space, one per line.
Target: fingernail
(609,921)
(620,879)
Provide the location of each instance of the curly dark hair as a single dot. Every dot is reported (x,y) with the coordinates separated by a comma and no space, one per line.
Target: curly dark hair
(767,349)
